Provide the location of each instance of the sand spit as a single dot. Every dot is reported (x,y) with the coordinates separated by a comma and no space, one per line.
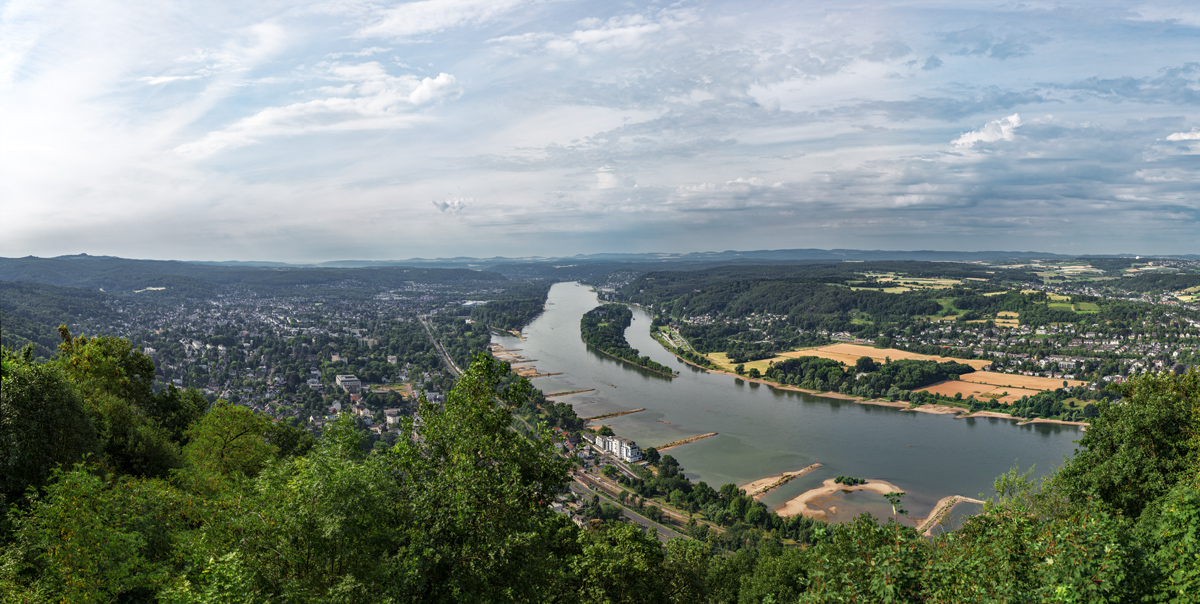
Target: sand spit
(1039,420)
(814,503)
(762,486)
(672,445)
(941,512)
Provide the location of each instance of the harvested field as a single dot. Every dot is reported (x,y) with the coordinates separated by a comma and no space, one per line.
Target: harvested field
(850,353)
(1017,381)
(982,392)
(1008,318)
(951,388)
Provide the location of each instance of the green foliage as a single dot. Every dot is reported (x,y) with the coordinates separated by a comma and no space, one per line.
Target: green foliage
(1006,555)
(95,538)
(137,429)
(619,563)
(1170,528)
(42,424)
(228,443)
(1138,449)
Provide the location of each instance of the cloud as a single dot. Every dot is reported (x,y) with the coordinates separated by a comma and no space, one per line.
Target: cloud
(368,99)
(980,41)
(358,54)
(1194,135)
(454,205)
(621,33)
(1178,85)
(995,130)
(154,81)
(931,63)
(413,19)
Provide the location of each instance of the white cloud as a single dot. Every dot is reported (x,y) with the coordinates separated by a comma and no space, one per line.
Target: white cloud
(368,99)
(453,205)
(616,34)
(431,16)
(995,130)
(1194,135)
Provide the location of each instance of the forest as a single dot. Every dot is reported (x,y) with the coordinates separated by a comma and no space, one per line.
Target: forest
(116,493)
(513,313)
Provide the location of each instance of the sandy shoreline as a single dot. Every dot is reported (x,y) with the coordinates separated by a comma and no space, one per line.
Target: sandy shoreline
(939,409)
(934,408)
(762,486)
(811,503)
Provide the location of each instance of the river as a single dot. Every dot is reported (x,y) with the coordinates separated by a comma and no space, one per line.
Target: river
(764,431)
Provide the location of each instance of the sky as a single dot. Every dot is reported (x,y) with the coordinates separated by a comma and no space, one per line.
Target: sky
(344,129)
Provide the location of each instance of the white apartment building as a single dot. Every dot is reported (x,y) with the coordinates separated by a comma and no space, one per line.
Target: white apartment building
(625,449)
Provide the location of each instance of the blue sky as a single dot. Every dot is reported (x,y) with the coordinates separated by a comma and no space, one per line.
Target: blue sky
(342,129)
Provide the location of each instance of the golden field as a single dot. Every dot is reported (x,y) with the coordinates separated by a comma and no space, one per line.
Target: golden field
(850,353)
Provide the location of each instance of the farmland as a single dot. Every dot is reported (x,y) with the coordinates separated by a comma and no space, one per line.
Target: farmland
(1018,381)
(1002,387)
(850,353)
(980,391)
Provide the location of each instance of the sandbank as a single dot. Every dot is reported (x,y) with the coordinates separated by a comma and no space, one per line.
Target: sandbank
(939,409)
(1041,420)
(811,503)
(762,486)
(995,414)
(941,511)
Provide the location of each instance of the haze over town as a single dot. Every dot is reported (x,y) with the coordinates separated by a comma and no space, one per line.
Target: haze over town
(310,131)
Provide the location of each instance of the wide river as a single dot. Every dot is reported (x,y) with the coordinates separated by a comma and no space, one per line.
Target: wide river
(763,431)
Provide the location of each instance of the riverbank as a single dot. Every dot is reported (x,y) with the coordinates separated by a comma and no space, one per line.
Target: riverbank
(1023,421)
(937,409)
(613,356)
(814,503)
(934,408)
(762,486)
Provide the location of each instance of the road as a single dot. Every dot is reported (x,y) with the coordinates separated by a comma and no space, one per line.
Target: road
(441,349)
(664,533)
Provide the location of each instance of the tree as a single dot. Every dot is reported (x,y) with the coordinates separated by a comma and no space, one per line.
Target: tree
(229,441)
(651,454)
(619,563)
(865,364)
(42,424)
(1135,451)
(475,495)
(134,427)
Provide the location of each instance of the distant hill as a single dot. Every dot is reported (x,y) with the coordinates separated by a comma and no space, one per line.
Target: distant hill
(169,278)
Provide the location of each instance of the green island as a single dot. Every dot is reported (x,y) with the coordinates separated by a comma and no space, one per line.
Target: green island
(603,328)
